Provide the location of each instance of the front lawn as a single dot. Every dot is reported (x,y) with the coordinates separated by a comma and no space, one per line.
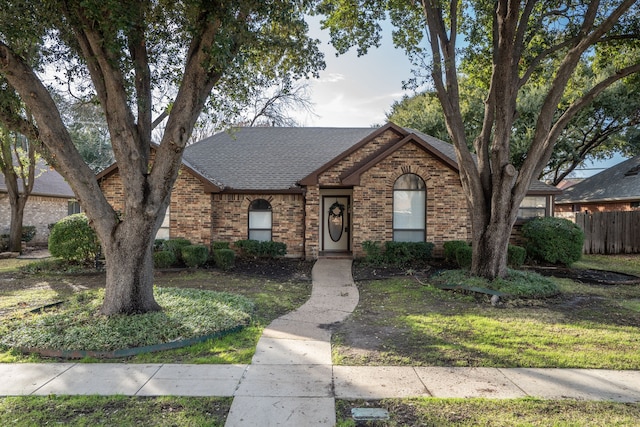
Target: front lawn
(401,321)
(271,298)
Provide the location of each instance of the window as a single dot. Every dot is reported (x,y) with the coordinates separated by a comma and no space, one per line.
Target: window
(532,207)
(409,205)
(73,207)
(260,220)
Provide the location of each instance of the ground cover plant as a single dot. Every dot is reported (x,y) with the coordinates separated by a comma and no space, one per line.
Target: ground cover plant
(401,321)
(274,287)
(73,325)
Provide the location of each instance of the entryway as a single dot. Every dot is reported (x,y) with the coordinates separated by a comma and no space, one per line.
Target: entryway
(335,223)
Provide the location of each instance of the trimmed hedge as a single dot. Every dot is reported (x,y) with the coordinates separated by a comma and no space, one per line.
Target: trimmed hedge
(175,246)
(516,256)
(195,255)
(464,255)
(163,259)
(373,252)
(263,249)
(451,247)
(405,253)
(399,254)
(225,259)
(553,240)
(73,239)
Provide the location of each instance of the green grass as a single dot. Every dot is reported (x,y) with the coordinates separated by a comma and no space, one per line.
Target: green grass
(12,264)
(588,327)
(113,411)
(517,283)
(504,413)
(629,264)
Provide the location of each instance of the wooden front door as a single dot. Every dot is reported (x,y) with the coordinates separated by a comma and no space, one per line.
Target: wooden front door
(335,223)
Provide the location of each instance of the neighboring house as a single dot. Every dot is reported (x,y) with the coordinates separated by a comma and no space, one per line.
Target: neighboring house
(51,200)
(614,189)
(321,190)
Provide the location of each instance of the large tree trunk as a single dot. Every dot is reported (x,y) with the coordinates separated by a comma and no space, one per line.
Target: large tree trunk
(15,230)
(130,268)
(490,243)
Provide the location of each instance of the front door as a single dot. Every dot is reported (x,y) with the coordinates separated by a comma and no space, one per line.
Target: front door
(335,220)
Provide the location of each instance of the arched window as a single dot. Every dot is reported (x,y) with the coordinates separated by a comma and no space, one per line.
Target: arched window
(260,220)
(409,204)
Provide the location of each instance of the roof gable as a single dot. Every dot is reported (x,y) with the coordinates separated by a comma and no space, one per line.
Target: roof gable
(352,176)
(619,182)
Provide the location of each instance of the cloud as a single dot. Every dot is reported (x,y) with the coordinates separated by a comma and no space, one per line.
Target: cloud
(331,78)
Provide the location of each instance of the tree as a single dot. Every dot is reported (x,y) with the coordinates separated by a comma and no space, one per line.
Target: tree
(524,39)
(128,50)
(264,107)
(18,165)
(598,131)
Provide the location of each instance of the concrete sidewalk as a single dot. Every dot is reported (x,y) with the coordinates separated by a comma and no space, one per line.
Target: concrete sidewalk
(291,380)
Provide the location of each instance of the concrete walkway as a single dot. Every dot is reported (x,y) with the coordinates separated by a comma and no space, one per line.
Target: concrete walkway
(291,381)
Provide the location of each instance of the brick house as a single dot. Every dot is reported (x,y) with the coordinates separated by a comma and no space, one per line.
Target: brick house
(51,200)
(614,189)
(321,190)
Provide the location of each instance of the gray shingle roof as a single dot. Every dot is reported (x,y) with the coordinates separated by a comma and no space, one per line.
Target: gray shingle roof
(269,158)
(609,185)
(48,183)
(276,158)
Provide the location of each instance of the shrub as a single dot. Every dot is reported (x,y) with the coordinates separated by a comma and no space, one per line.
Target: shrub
(175,246)
(219,245)
(373,253)
(553,240)
(256,248)
(164,259)
(195,255)
(28,232)
(73,239)
(224,258)
(464,256)
(516,256)
(158,245)
(451,247)
(404,253)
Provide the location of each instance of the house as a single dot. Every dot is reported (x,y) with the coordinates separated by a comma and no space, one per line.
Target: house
(51,200)
(321,190)
(614,189)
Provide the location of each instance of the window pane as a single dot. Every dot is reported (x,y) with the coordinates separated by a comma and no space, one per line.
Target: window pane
(408,236)
(261,235)
(260,204)
(260,219)
(408,209)
(409,181)
(532,207)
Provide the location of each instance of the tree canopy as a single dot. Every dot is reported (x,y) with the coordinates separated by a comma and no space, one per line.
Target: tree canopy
(539,44)
(138,59)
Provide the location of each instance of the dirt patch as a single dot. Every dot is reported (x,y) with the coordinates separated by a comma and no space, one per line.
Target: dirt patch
(600,277)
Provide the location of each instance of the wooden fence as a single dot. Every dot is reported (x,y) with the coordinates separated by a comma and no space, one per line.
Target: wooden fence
(610,232)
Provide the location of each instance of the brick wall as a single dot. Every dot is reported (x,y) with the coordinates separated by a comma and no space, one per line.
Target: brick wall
(231,218)
(372,211)
(190,210)
(39,211)
(446,211)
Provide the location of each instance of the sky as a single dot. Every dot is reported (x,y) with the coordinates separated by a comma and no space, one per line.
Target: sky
(357,91)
